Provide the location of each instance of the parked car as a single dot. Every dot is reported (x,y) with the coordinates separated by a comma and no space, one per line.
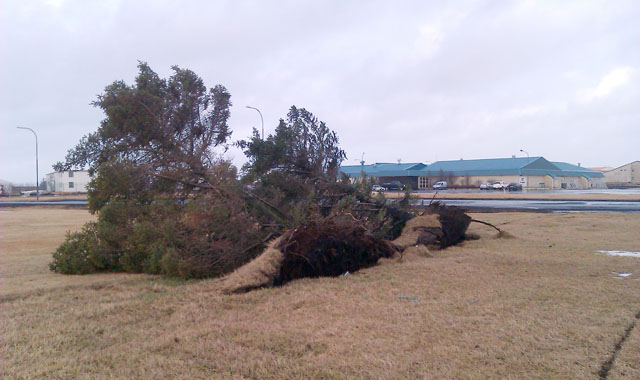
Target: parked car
(499,185)
(440,185)
(486,186)
(393,185)
(377,189)
(514,186)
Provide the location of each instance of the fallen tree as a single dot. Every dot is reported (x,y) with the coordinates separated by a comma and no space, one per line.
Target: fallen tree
(167,203)
(335,245)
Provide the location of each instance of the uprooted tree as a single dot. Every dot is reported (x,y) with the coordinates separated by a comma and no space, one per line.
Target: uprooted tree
(297,169)
(165,199)
(167,202)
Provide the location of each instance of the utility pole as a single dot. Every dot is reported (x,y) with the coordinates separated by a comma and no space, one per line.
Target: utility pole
(261,119)
(37,175)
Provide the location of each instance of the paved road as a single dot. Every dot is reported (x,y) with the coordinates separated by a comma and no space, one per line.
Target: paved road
(470,204)
(78,203)
(541,205)
(537,192)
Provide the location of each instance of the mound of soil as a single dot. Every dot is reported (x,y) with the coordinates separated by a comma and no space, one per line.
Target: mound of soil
(440,227)
(329,248)
(454,223)
(414,228)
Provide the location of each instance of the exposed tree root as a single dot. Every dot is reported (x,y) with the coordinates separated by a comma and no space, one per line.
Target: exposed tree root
(501,233)
(329,248)
(342,243)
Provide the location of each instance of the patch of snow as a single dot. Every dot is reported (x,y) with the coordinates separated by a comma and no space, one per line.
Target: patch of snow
(624,274)
(622,253)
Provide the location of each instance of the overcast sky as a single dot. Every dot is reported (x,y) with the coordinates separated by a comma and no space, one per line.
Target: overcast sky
(418,81)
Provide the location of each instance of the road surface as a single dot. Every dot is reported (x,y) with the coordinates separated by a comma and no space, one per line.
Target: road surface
(540,205)
(469,204)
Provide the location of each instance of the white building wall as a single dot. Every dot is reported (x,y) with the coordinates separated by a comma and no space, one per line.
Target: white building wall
(6,187)
(72,181)
(628,174)
(527,181)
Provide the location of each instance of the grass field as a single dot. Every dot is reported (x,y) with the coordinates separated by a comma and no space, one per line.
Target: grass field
(542,305)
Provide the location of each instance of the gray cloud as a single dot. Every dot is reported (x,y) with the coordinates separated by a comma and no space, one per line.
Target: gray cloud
(405,80)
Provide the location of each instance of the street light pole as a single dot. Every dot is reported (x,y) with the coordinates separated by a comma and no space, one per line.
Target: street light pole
(37,175)
(261,119)
(528,160)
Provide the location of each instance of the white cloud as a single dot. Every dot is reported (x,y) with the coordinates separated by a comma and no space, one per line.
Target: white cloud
(431,34)
(55,3)
(614,79)
(428,42)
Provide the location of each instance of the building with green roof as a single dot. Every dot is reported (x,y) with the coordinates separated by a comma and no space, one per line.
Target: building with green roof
(407,173)
(531,172)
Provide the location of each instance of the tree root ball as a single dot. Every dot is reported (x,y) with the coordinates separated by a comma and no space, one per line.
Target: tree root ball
(329,248)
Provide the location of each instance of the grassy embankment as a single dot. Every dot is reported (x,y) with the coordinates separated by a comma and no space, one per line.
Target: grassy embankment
(542,305)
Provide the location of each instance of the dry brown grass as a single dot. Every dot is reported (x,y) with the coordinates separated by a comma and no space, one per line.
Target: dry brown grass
(415,252)
(61,197)
(534,196)
(543,305)
(627,364)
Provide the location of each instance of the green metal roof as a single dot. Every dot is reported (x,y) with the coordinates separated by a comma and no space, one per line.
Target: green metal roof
(481,167)
(510,166)
(491,166)
(575,170)
(385,169)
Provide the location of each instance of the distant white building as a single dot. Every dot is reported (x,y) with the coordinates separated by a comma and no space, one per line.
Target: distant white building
(5,187)
(71,181)
(624,176)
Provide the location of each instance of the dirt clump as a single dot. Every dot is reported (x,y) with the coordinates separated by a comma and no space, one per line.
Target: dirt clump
(439,227)
(329,248)
(414,228)
(454,223)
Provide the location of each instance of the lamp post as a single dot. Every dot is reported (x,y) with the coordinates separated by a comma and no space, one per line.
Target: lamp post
(261,119)
(37,175)
(528,160)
